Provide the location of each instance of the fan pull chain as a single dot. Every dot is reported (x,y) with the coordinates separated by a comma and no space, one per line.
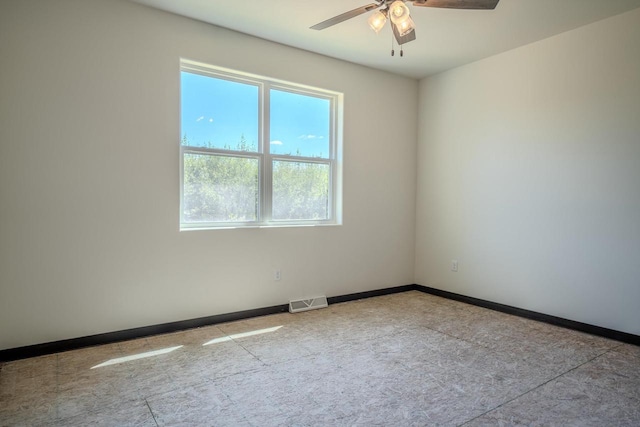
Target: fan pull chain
(392,51)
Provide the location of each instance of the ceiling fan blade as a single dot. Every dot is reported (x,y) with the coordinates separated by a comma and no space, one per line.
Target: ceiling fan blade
(343,17)
(410,36)
(458,4)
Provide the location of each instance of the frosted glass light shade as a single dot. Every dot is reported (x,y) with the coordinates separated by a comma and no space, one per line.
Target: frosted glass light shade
(398,12)
(405,27)
(377,21)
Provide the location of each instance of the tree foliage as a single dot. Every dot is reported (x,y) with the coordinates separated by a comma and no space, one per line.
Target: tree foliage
(300,190)
(225,188)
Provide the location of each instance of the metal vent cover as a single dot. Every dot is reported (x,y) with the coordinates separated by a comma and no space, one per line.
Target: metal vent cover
(304,304)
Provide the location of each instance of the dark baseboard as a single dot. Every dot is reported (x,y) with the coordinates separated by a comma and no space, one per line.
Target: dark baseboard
(546,318)
(129,334)
(369,294)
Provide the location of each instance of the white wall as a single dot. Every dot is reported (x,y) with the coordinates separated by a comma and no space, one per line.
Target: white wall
(89,132)
(529,175)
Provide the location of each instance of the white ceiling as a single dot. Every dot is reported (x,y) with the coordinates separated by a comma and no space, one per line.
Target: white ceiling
(446,38)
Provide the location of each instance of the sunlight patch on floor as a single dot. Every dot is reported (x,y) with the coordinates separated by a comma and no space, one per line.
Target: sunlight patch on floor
(137,356)
(242,335)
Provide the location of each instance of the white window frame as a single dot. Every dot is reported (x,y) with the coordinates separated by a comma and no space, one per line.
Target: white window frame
(264,156)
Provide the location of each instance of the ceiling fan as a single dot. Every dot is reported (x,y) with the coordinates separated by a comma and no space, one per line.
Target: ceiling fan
(401,23)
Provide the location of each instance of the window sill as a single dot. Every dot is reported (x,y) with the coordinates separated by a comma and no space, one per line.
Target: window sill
(254,227)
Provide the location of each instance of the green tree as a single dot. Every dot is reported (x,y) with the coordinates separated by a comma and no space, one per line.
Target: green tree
(226,188)
(218,187)
(300,190)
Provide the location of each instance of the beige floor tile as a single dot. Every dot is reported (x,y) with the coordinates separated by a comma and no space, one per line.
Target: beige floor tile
(257,323)
(566,401)
(632,352)
(27,400)
(129,414)
(77,400)
(280,346)
(200,405)
(212,361)
(28,368)
(35,405)
(86,358)
(404,359)
(134,346)
(613,371)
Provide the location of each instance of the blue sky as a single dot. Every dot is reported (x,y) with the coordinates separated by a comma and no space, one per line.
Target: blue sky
(219,112)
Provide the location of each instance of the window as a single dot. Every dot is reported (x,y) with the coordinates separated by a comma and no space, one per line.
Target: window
(256,151)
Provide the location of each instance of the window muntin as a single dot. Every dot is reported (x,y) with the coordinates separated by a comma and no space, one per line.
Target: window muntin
(266,155)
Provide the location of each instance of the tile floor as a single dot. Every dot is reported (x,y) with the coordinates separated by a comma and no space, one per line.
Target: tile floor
(408,359)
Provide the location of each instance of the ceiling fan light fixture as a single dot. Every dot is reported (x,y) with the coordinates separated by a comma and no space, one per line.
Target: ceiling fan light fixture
(398,12)
(405,27)
(377,20)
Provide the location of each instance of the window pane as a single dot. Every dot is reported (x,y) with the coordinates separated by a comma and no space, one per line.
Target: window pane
(300,190)
(299,124)
(218,113)
(220,188)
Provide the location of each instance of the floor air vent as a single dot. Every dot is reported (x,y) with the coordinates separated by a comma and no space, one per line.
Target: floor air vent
(296,305)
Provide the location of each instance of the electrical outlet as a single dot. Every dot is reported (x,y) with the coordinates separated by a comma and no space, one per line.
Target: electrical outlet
(277,275)
(454,265)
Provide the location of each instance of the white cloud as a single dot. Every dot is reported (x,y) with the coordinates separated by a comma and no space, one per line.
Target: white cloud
(200,118)
(307,137)
(210,120)
(276,142)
